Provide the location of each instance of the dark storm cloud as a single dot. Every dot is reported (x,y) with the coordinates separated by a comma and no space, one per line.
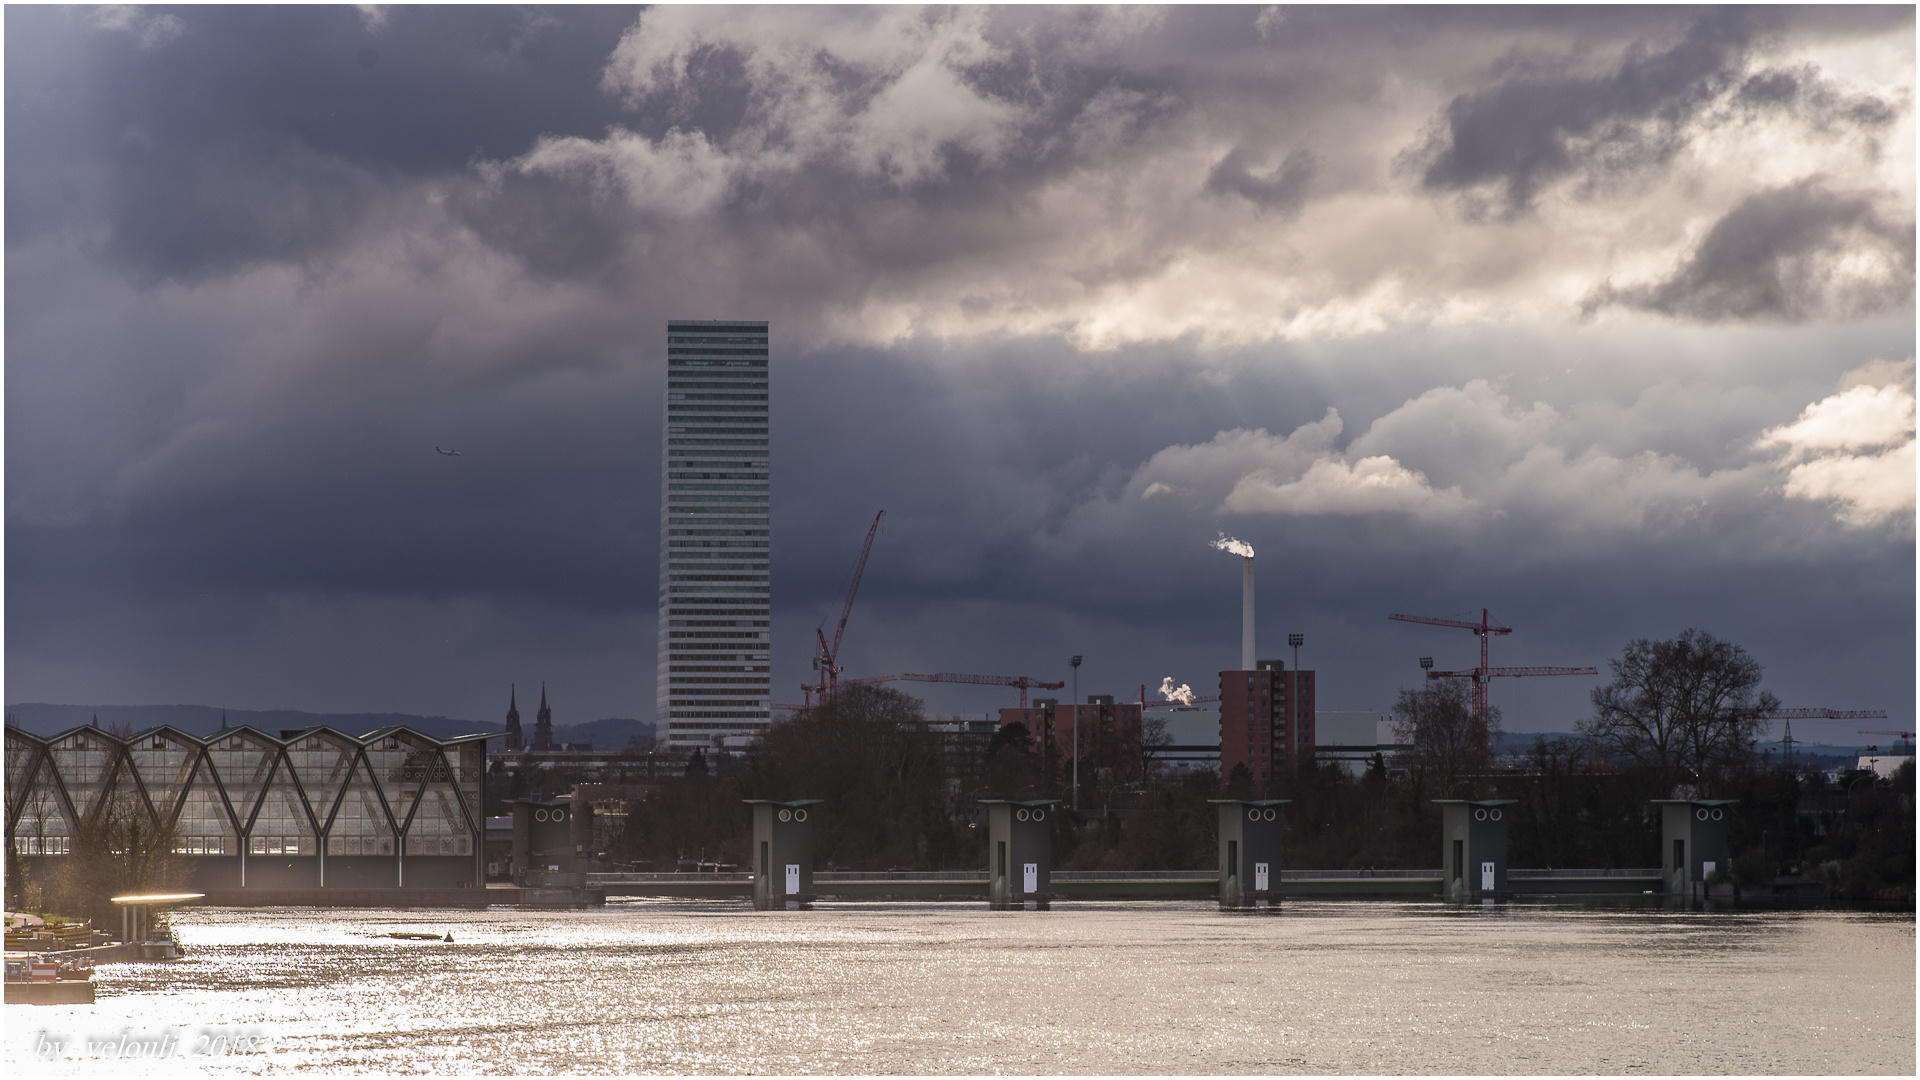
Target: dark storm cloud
(1813,98)
(1012,257)
(1803,251)
(1540,123)
(259,134)
(190,212)
(1281,189)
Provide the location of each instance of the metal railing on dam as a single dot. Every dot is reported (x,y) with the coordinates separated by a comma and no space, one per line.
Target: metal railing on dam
(1631,872)
(821,876)
(1090,875)
(1118,884)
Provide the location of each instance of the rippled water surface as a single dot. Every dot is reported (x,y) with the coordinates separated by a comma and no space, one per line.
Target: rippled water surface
(1096,988)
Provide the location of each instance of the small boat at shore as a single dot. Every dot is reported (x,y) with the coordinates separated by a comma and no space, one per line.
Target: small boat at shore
(411,935)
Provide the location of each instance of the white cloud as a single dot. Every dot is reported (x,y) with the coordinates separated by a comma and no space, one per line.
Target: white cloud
(1468,458)
(1823,459)
(149,31)
(1461,432)
(886,92)
(1211,467)
(1043,171)
(680,174)
(1370,485)
(1870,488)
(1854,419)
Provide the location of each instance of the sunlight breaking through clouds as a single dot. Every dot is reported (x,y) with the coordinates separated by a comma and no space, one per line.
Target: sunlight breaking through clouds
(1855,449)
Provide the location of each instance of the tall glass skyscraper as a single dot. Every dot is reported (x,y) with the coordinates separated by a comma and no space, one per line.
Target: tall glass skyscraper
(714,540)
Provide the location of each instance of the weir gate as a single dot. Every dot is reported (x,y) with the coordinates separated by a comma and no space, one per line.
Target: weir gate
(1126,885)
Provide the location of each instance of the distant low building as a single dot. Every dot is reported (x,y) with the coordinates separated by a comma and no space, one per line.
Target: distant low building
(1887,763)
(1106,732)
(581,763)
(964,738)
(1352,738)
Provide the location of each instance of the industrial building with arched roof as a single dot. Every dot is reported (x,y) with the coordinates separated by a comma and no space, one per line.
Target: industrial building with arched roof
(244,809)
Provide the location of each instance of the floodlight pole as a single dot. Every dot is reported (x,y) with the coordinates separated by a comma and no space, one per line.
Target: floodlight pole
(1075,664)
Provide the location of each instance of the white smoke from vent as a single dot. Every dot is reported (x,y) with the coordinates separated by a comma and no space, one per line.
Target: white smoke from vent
(1229,544)
(1245,551)
(1169,692)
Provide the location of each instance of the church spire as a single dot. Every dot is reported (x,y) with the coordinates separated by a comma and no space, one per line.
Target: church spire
(515,740)
(543,723)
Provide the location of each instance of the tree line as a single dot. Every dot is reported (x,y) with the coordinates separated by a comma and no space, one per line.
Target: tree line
(1678,718)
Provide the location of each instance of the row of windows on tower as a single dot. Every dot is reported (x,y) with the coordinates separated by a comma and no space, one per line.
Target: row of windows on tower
(713,657)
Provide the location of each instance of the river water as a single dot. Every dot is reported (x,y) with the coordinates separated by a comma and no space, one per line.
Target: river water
(707,987)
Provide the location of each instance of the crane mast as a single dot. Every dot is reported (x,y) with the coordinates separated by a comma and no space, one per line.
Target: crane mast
(1484,629)
(826,659)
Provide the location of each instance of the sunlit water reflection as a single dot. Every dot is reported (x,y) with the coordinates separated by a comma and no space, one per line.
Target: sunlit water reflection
(1095,988)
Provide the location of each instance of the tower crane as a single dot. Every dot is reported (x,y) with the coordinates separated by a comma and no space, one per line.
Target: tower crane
(1904,736)
(826,660)
(1023,682)
(1484,629)
(1790,715)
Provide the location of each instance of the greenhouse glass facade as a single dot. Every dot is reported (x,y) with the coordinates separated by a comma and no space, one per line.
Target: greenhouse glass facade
(244,809)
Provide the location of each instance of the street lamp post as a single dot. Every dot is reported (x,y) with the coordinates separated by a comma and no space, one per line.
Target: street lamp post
(1075,664)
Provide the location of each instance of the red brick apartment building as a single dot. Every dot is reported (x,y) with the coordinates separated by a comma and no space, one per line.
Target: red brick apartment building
(1266,720)
(1109,732)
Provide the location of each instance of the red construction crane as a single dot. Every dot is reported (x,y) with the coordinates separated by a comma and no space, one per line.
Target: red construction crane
(1485,629)
(1790,715)
(1905,736)
(1827,714)
(827,660)
(1021,681)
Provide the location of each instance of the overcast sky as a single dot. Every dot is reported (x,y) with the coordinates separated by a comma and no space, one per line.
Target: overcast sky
(1602,319)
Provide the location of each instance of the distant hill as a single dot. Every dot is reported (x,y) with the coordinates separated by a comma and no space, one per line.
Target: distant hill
(609,734)
(41,718)
(1828,754)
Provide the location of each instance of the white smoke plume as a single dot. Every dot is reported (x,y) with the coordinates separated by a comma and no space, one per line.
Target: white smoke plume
(1182,693)
(1228,543)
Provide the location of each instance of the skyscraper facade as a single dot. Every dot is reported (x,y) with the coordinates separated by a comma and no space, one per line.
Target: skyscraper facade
(715,600)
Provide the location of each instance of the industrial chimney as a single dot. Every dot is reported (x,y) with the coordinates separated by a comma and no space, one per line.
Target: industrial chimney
(1245,551)
(1246,613)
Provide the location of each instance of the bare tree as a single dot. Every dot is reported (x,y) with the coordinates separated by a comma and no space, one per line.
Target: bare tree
(869,752)
(117,849)
(1154,741)
(1686,709)
(1437,721)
